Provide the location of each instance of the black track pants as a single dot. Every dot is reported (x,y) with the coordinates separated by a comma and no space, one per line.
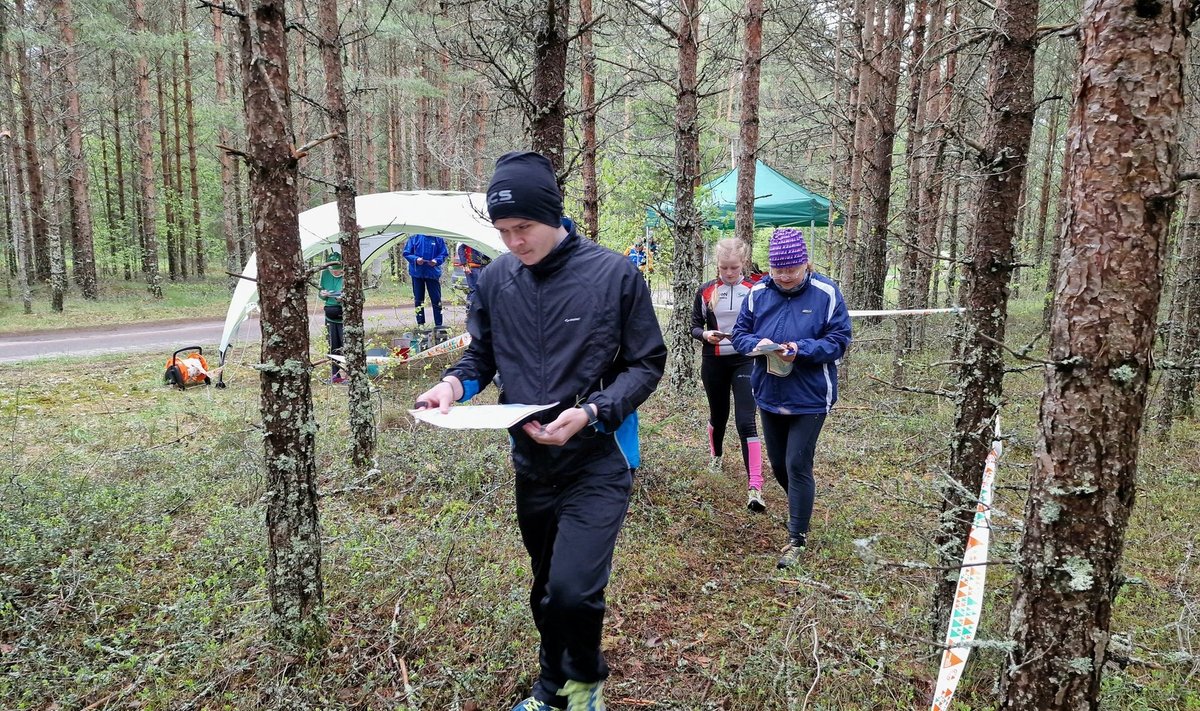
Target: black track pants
(570,532)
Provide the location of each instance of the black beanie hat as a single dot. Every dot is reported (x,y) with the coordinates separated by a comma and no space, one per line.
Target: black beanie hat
(524,186)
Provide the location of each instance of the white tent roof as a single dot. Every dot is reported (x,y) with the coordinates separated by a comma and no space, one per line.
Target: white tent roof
(383,218)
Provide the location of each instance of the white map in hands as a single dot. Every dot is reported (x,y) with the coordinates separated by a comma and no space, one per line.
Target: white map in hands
(479,417)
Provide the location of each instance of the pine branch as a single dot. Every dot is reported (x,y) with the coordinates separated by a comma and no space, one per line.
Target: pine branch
(222,8)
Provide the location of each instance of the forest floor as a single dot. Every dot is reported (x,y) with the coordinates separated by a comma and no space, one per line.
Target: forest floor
(132,554)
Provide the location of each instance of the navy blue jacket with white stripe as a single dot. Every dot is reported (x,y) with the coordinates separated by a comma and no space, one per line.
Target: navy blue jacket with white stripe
(576,327)
(815,317)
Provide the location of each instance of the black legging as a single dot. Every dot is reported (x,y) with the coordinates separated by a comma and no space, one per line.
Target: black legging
(333,328)
(791,444)
(720,375)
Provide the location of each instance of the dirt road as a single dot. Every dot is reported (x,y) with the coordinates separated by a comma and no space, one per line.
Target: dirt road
(163,337)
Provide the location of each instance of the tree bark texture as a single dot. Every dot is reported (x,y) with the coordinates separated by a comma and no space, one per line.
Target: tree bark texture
(877,176)
(1123,139)
(548,124)
(1043,208)
(591,192)
(77,178)
(1007,129)
(126,226)
(10,162)
(39,222)
(689,239)
(228,195)
(168,184)
(145,150)
(1183,342)
(362,429)
(748,128)
(293,530)
(193,178)
(182,231)
(861,88)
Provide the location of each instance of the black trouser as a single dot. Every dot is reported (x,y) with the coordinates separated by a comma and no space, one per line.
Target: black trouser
(721,375)
(791,443)
(434,287)
(569,532)
(333,328)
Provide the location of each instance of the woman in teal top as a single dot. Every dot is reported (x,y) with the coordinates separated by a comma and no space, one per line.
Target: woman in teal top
(332,284)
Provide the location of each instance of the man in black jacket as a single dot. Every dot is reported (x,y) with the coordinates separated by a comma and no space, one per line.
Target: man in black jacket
(561,319)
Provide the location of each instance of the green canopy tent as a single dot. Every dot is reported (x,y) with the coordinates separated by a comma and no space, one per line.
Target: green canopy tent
(779,201)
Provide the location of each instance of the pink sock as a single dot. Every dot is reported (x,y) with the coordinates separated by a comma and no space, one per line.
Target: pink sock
(754,463)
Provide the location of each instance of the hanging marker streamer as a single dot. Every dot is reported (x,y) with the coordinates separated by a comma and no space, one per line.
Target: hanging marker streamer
(968,597)
(859,313)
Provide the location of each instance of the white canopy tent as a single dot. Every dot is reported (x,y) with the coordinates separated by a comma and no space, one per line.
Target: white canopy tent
(383,218)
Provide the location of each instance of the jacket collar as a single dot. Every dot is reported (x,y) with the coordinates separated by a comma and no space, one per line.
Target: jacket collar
(558,256)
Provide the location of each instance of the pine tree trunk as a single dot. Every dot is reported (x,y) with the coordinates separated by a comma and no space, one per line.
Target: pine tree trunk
(837,140)
(445,139)
(145,149)
(168,198)
(293,530)
(193,168)
(1183,334)
(937,99)
(481,119)
(689,242)
(1007,130)
(39,222)
(547,127)
(421,134)
(748,129)
(362,430)
(182,233)
(861,90)
(1057,243)
(233,263)
(591,192)
(368,114)
(127,230)
(10,164)
(1124,139)
(110,221)
(58,262)
(77,178)
(1043,209)
(877,177)
(902,342)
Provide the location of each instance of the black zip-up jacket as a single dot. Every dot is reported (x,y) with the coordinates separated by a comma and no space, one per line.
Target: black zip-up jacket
(577,327)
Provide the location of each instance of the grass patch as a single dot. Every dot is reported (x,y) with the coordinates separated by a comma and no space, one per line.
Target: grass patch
(132,552)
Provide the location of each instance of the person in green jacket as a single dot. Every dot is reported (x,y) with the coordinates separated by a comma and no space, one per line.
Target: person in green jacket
(332,283)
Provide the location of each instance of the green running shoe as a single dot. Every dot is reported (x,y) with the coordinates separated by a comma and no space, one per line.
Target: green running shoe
(791,554)
(583,697)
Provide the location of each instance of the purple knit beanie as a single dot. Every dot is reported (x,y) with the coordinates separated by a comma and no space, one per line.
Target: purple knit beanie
(787,248)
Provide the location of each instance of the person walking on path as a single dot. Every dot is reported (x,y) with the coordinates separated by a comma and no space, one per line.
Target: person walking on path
(562,320)
(802,315)
(425,255)
(723,369)
(332,284)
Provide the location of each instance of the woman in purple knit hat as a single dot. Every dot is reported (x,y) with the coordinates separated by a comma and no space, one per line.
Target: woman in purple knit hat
(797,318)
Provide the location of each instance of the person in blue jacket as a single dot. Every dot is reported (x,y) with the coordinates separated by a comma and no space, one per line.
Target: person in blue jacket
(425,255)
(802,315)
(562,320)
